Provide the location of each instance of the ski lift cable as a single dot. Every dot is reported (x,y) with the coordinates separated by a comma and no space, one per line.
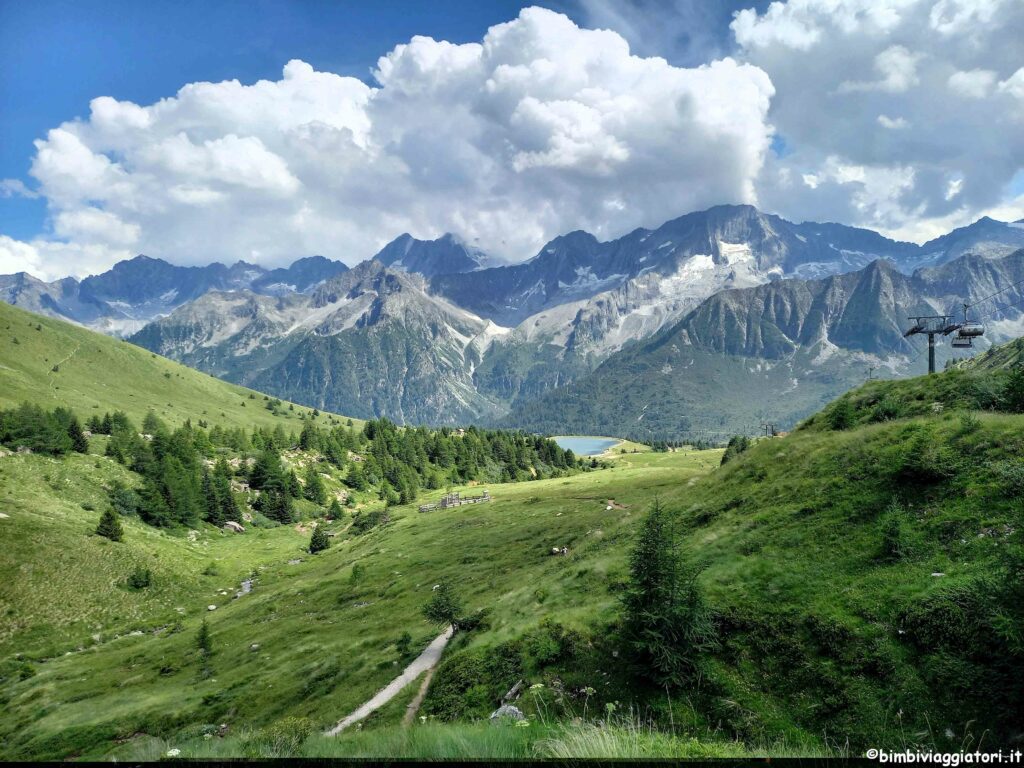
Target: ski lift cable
(1004,306)
(991,295)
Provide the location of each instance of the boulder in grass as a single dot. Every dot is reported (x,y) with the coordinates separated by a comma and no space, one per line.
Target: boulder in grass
(231,525)
(507,712)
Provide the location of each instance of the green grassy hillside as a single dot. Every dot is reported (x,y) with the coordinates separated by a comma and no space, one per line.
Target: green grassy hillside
(51,362)
(858,571)
(326,639)
(998,357)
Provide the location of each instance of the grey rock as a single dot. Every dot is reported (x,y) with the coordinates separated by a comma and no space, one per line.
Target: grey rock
(507,712)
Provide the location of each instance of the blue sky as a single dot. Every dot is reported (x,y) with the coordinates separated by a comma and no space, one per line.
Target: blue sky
(904,117)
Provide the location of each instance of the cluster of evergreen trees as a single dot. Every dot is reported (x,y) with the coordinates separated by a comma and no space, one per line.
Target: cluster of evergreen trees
(401,461)
(187,479)
(180,488)
(177,487)
(53,432)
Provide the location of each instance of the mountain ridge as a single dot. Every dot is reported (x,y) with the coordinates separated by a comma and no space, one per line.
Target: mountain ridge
(490,339)
(770,353)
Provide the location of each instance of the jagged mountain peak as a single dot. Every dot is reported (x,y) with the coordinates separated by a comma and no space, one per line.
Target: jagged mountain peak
(986,237)
(447,254)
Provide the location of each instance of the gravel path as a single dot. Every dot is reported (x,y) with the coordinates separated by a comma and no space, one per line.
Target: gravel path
(425,661)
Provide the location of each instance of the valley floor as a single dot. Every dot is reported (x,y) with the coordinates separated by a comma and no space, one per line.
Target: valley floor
(91,665)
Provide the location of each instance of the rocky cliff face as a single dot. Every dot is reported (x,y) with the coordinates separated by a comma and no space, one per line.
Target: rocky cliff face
(775,352)
(369,342)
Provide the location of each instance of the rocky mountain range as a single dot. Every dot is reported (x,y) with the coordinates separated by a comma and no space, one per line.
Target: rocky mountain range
(431,331)
(779,351)
(134,292)
(370,341)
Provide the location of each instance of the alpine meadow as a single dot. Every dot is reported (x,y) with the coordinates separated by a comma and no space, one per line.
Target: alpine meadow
(489,382)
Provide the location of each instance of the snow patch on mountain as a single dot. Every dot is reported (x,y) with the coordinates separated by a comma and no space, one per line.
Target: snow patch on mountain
(734,253)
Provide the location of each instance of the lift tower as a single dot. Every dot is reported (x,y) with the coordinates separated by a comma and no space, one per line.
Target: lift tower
(933,325)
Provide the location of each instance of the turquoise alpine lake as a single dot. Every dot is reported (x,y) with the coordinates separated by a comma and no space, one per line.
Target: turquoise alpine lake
(585,446)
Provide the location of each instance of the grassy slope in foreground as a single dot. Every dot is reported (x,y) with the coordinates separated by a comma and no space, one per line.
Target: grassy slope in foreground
(824,633)
(825,638)
(326,639)
(54,363)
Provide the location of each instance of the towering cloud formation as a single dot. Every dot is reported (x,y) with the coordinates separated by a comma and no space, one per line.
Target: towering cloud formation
(541,128)
(906,115)
(902,115)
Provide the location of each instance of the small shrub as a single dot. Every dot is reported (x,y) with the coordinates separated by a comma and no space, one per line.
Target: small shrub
(124,500)
(282,739)
(140,578)
(969,422)
(358,571)
(110,527)
(926,459)
(363,522)
(887,409)
(895,537)
(841,415)
(1010,475)
(403,645)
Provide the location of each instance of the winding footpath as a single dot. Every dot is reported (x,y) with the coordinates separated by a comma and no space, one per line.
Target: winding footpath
(425,661)
(57,365)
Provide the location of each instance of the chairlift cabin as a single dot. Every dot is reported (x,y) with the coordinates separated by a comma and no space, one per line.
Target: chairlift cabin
(970,330)
(961,342)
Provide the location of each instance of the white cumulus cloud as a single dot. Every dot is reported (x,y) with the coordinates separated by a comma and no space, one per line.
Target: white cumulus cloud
(922,96)
(540,128)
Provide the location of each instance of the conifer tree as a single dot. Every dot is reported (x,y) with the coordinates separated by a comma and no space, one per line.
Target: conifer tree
(314,490)
(334,512)
(292,485)
(444,606)
(667,626)
(225,497)
(204,644)
(309,439)
(151,424)
(318,542)
(110,526)
(79,442)
(356,478)
(1013,392)
(213,512)
(204,640)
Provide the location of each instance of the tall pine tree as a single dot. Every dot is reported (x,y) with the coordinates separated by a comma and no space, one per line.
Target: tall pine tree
(667,626)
